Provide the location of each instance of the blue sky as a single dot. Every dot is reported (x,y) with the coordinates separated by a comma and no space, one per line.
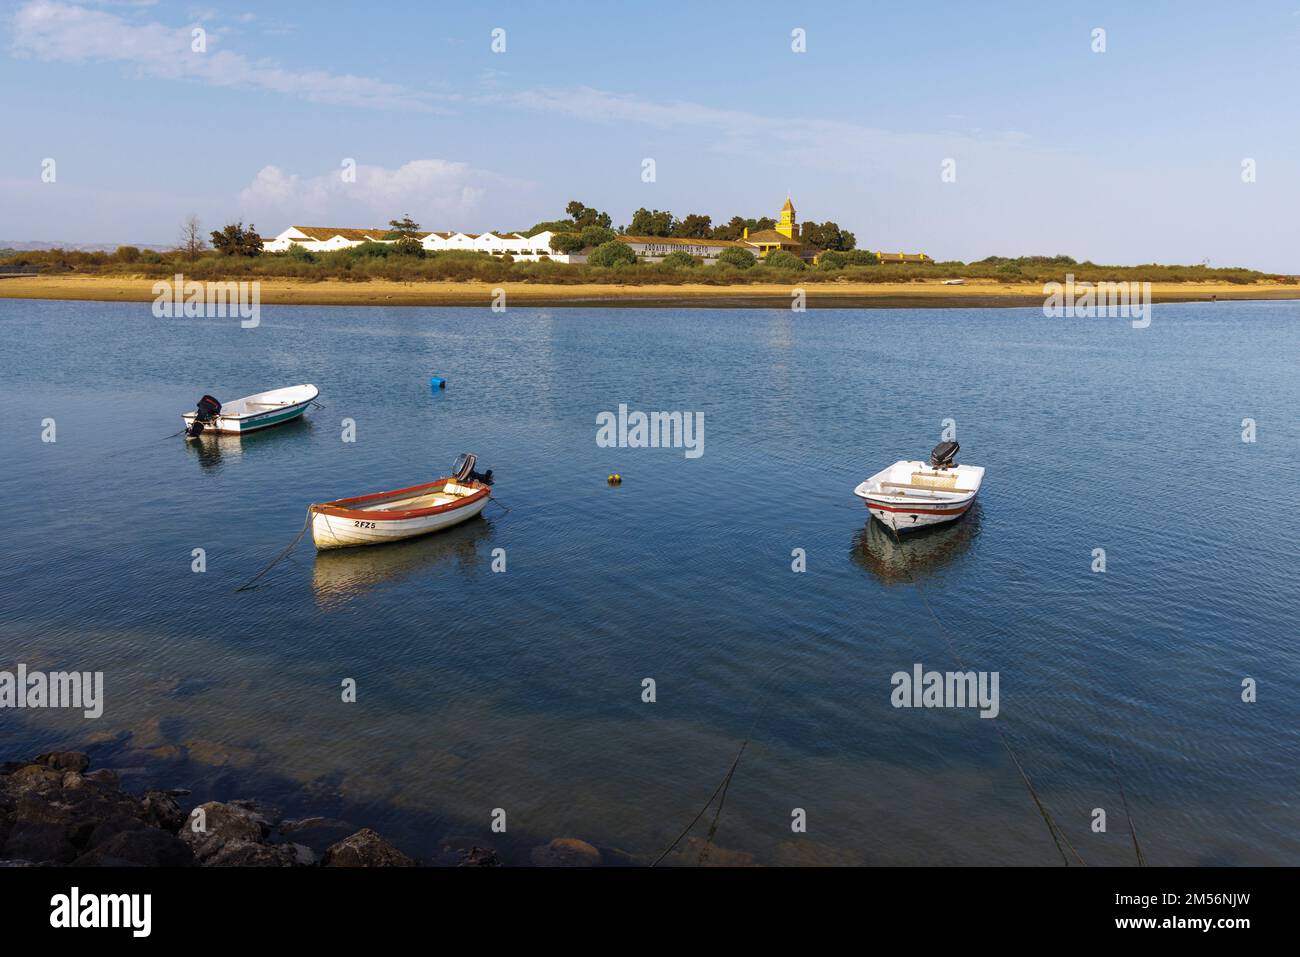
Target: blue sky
(1128,156)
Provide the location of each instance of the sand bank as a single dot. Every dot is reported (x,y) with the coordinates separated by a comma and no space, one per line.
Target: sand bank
(929,294)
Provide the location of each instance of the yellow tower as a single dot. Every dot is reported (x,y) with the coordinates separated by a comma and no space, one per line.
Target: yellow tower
(787,225)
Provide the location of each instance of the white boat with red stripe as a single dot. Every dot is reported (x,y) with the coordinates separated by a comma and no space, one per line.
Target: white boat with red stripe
(405,512)
(914,494)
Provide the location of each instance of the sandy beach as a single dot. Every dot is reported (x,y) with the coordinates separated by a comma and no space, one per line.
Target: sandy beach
(929,293)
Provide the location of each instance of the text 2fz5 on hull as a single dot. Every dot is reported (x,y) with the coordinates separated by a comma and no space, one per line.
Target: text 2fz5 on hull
(404,512)
(910,495)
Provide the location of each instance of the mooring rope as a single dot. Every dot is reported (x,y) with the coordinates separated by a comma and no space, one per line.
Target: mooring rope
(278,558)
(1141,858)
(1052,827)
(721,788)
(713,825)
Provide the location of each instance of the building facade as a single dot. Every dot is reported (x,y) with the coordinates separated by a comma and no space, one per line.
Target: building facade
(784,237)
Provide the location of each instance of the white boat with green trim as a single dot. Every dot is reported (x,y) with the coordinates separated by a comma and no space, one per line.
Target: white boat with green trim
(253,412)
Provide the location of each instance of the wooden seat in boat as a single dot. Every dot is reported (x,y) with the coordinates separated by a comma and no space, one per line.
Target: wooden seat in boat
(931,488)
(929,480)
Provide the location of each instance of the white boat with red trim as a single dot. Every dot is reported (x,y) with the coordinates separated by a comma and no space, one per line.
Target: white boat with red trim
(405,512)
(913,494)
(253,412)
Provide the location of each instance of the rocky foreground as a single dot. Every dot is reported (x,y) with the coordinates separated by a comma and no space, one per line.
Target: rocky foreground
(54,811)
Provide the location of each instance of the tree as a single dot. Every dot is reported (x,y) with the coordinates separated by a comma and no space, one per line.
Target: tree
(735,256)
(234,240)
(405,226)
(584,216)
(694,226)
(734,228)
(566,243)
(597,235)
(651,223)
(680,260)
(827,235)
(192,238)
(551,226)
(612,254)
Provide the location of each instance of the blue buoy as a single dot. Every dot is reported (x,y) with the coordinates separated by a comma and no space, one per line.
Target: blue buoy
(436,383)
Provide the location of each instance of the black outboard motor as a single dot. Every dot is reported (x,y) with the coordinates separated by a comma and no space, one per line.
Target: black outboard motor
(463,470)
(943,455)
(208,409)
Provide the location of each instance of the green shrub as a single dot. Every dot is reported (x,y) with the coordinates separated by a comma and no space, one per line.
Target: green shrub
(300,254)
(735,256)
(593,236)
(780,259)
(368,250)
(565,243)
(612,253)
(680,260)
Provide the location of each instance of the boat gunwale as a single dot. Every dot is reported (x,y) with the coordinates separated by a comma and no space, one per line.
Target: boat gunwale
(889,499)
(342,507)
(958,509)
(243,416)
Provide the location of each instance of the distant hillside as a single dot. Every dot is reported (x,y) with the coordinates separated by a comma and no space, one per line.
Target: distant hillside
(14,245)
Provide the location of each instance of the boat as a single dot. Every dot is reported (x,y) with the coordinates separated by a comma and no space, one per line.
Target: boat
(253,412)
(913,494)
(405,512)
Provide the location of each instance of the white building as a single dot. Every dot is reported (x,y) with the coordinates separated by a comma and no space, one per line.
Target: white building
(784,237)
(329,238)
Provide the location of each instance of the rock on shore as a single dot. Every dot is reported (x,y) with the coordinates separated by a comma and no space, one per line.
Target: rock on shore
(54,811)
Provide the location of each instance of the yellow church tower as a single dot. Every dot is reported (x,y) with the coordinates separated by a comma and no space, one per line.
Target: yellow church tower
(787,226)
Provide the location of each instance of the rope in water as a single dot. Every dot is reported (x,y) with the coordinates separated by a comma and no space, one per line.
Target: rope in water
(248,585)
(721,788)
(1141,858)
(713,825)
(1052,827)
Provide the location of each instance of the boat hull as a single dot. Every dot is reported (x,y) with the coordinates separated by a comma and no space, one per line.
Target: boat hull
(221,425)
(906,517)
(332,530)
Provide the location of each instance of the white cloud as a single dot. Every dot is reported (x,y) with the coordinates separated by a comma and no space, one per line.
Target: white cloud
(825,144)
(440,194)
(69,33)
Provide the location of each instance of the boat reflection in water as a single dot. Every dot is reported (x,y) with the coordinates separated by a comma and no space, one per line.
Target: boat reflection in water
(340,575)
(919,553)
(212,449)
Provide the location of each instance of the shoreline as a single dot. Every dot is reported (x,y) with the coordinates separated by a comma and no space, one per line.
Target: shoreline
(56,812)
(981,294)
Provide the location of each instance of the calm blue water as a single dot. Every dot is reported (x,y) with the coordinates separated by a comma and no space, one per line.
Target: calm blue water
(522,691)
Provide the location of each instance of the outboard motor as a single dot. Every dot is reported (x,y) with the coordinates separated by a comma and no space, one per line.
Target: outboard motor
(463,470)
(943,455)
(208,409)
